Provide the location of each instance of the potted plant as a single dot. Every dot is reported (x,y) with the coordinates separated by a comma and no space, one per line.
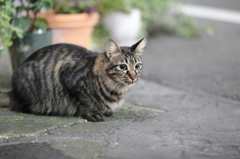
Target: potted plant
(121,19)
(6,31)
(34,31)
(72,21)
(150,18)
(6,28)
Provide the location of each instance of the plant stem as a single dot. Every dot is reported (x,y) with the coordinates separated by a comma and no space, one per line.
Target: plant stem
(21,1)
(33,21)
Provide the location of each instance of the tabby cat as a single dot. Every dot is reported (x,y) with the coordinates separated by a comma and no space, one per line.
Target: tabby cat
(65,79)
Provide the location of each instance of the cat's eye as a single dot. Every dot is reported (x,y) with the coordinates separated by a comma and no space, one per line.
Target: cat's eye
(123,67)
(138,66)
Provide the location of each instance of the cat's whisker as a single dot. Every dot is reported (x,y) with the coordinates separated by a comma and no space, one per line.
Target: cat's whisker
(146,86)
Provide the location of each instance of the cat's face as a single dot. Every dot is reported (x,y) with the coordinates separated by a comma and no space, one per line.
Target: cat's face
(125,63)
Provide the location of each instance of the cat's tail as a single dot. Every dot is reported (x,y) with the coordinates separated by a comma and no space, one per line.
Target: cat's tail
(4,99)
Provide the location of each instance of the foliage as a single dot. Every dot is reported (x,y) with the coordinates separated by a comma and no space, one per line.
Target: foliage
(153,8)
(160,14)
(109,6)
(16,21)
(157,15)
(100,34)
(74,6)
(185,26)
(87,6)
(6,28)
(26,18)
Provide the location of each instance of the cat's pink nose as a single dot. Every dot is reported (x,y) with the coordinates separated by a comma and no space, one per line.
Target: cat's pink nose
(133,77)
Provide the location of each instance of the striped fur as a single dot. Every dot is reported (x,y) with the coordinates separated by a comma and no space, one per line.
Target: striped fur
(65,79)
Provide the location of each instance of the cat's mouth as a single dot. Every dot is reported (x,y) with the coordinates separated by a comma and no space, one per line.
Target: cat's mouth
(127,80)
(131,81)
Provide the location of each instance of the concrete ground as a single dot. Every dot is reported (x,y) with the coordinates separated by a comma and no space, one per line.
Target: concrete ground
(186,106)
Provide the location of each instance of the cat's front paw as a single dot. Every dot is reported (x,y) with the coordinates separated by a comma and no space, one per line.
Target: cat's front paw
(93,117)
(108,112)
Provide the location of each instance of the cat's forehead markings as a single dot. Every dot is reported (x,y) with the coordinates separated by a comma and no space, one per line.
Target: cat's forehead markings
(126,61)
(131,58)
(137,59)
(123,60)
(128,55)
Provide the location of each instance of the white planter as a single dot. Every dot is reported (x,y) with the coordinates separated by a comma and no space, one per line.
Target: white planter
(123,27)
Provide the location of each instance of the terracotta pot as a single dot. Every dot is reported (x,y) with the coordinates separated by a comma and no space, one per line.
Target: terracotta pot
(71,28)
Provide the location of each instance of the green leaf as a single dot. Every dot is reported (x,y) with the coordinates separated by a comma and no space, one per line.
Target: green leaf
(22,23)
(110,6)
(73,10)
(41,24)
(47,4)
(17,32)
(38,6)
(20,9)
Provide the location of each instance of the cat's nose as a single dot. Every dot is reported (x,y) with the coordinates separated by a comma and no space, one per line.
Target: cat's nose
(133,76)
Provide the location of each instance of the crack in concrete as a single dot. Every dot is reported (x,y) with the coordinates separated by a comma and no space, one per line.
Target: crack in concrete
(9,136)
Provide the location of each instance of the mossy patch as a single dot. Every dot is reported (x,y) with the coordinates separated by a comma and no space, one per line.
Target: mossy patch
(13,118)
(3,109)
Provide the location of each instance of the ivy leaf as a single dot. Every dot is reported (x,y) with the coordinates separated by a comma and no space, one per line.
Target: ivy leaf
(47,4)
(17,32)
(20,9)
(22,23)
(38,6)
(41,24)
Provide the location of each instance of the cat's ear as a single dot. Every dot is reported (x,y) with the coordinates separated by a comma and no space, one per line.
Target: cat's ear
(138,47)
(112,49)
